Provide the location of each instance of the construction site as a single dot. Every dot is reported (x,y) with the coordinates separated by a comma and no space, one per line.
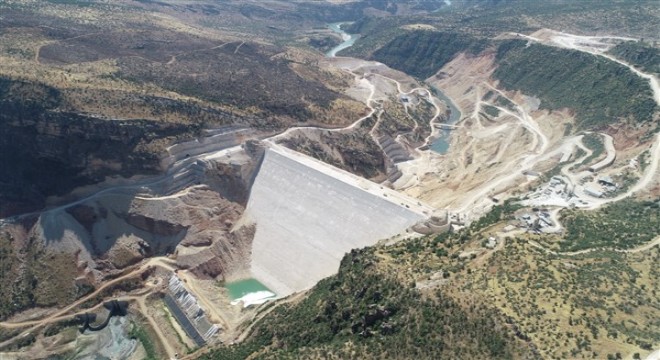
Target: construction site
(241,221)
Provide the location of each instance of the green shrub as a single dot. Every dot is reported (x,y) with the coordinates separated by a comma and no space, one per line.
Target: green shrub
(422,53)
(598,90)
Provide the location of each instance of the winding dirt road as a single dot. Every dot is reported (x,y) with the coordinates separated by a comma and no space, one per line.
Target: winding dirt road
(63,314)
(161,337)
(513,170)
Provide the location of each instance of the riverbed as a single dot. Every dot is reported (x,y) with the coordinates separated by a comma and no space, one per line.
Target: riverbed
(441,144)
(349,39)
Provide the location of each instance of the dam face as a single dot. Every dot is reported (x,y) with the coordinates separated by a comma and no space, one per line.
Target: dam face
(309,214)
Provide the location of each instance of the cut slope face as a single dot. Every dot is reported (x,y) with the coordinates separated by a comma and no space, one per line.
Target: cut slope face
(309,214)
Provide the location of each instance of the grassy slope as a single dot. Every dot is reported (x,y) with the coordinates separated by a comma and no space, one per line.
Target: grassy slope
(611,226)
(422,53)
(591,305)
(33,276)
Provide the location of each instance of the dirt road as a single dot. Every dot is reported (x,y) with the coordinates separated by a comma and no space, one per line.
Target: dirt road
(64,313)
(645,247)
(162,338)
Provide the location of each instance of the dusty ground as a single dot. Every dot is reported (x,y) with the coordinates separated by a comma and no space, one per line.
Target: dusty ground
(485,163)
(487,152)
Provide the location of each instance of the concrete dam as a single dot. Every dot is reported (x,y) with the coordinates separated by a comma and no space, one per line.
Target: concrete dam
(309,214)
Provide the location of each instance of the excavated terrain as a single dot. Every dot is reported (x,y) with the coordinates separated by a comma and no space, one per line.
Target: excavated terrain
(484,148)
(178,151)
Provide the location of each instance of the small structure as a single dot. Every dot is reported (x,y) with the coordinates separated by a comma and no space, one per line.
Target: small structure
(457,219)
(434,225)
(491,243)
(546,221)
(509,228)
(593,192)
(607,181)
(455,227)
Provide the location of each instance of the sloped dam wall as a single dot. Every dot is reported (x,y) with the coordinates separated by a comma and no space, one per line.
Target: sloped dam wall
(309,214)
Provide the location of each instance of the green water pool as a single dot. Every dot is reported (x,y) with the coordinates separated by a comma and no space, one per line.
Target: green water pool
(239,289)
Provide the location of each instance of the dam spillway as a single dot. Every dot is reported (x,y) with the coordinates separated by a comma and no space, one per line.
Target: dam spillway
(309,214)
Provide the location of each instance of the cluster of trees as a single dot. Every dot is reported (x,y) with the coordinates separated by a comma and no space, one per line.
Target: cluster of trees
(595,143)
(623,224)
(491,110)
(32,276)
(12,296)
(495,215)
(324,43)
(140,334)
(421,53)
(640,55)
(600,91)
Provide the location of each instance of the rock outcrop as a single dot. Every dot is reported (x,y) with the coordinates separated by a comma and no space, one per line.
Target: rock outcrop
(229,256)
(46,150)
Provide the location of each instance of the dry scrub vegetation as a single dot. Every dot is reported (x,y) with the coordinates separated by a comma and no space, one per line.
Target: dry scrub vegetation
(107,55)
(68,67)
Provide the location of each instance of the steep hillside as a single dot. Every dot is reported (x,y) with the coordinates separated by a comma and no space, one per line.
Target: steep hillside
(50,151)
(85,100)
(643,56)
(238,74)
(486,18)
(153,152)
(452,296)
(600,91)
(421,53)
(365,312)
(32,275)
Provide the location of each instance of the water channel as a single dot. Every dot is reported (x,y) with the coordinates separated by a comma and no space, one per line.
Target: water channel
(441,144)
(349,39)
